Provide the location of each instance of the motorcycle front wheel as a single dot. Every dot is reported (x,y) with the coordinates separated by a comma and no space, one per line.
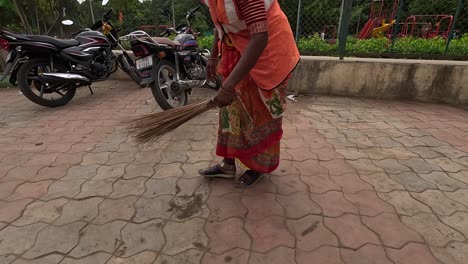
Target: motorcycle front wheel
(41,92)
(164,89)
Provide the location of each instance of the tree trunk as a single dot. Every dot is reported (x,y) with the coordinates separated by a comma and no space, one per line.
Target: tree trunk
(22,16)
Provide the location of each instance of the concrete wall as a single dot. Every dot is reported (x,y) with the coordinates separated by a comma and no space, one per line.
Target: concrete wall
(421,80)
(427,81)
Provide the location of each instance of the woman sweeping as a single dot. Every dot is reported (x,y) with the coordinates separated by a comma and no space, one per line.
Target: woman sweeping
(258,54)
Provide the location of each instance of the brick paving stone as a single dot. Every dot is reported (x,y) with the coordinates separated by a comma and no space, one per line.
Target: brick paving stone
(309,168)
(150,208)
(333,204)
(408,141)
(79,210)
(191,256)
(458,221)
(55,239)
(227,206)
(337,167)
(412,182)
(43,159)
(116,209)
(391,166)
(183,236)
(190,170)
(29,190)
(439,203)
(351,183)
(289,185)
(450,152)
(60,188)
(40,211)
(301,154)
(404,203)
(310,233)
(97,258)
(164,186)
(51,172)
(69,159)
(146,257)
(443,181)
(82,172)
(192,186)
(134,170)
(7,188)
(277,256)
(124,188)
(412,253)
(387,142)
(326,154)
(420,165)
(320,183)
(187,207)
(17,240)
(96,188)
(168,157)
(112,171)
(9,211)
(261,206)
(368,254)
(22,173)
(381,182)
(325,254)
(220,187)
(454,253)
(168,170)
(95,158)
(351,153)
(460,196)
(447,164)
(120,157)
(350,231)
(235,256)
(434,232)
(269,233)
(50,259)
(140,237)
(463,161)
(298,205)
(364,166)
(368,203)
(425,152)
(198,155)
(391,231)
(96,238)
(227,235)
(460,176)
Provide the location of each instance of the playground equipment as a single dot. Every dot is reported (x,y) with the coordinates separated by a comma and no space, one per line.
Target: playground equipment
(381,12)
(427,26)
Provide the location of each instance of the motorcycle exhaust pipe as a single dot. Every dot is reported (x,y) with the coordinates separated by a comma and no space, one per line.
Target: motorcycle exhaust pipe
(71,77)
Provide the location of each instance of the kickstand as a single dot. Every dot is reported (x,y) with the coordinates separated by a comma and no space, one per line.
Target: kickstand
(90,89)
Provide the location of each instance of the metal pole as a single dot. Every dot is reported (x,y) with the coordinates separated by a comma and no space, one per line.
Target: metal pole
(92,12)
(156,16)
(173,14)
(455,19)
(344,26)
(299,18)
(398,21)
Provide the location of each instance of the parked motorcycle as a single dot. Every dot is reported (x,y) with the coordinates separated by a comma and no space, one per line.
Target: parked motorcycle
(49,70)
(172,67)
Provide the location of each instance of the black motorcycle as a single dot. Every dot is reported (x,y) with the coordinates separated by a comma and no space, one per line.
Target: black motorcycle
(172,67)
(49,70)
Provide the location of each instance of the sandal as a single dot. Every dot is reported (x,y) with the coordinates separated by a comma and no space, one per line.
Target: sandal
(249,178)
(219,171)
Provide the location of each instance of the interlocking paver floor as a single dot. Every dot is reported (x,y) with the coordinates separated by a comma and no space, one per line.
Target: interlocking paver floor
(361,181)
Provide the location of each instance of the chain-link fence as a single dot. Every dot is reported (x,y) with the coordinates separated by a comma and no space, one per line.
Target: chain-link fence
(376,28)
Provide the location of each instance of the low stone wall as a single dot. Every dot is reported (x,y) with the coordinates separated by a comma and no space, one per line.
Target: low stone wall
(421,80)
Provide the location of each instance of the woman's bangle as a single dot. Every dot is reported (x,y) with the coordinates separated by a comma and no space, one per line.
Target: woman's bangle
(226,92)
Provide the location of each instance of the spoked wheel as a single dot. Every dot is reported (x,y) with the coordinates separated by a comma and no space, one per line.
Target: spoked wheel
(40,91)
(165,89)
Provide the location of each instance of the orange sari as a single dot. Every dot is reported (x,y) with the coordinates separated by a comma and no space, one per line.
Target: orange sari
(250,129)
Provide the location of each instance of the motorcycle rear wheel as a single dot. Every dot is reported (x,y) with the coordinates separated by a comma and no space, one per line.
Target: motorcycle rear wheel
(29,81)
(162,90)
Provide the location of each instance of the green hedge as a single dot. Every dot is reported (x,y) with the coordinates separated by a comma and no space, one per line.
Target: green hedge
(407,45)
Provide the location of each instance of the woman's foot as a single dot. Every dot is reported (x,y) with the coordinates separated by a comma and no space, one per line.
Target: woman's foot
(249,178)
(222,170)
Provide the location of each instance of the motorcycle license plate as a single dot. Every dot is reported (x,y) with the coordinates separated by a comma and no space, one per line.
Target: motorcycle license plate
(144,62)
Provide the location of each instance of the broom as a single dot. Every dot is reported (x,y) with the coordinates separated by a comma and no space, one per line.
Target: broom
(153,126)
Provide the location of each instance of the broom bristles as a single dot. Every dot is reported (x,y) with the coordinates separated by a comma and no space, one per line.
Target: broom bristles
(153,126)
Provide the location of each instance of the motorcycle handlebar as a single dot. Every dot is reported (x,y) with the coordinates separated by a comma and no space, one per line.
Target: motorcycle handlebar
(108,14)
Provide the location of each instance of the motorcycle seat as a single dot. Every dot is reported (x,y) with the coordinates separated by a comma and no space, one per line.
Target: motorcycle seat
(166,41)
(56,42)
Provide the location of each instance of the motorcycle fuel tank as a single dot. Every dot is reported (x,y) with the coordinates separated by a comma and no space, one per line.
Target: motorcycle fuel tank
(90,43)
(187,41)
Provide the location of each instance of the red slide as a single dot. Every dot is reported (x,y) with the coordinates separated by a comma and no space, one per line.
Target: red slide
(367,30)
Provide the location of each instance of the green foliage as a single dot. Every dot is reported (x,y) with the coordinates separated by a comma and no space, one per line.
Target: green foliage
(205,42)
(315,43)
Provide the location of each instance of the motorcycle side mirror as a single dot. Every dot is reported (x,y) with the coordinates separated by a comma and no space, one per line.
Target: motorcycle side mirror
(105,2)
(67,22)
